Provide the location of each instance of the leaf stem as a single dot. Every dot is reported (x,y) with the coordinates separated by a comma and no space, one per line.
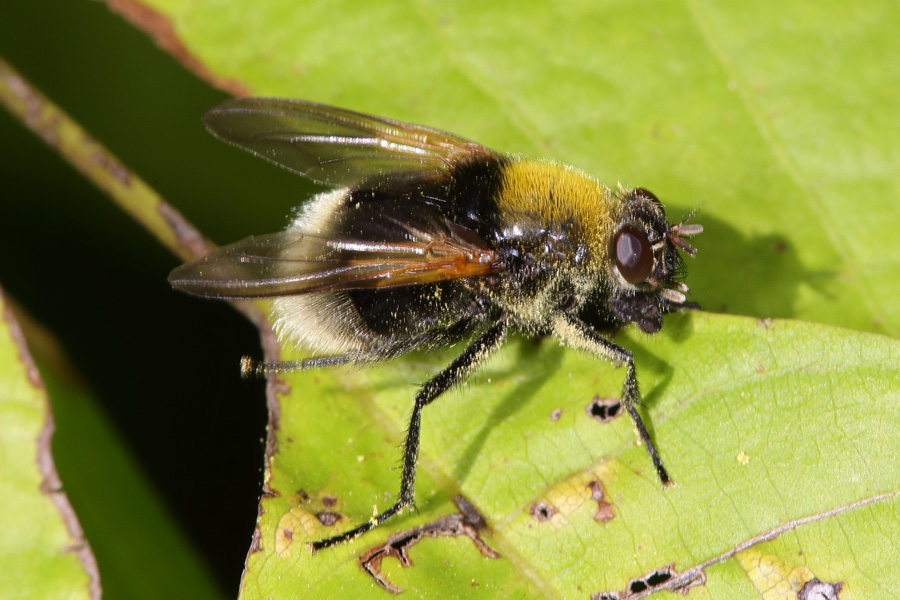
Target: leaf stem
(95,162)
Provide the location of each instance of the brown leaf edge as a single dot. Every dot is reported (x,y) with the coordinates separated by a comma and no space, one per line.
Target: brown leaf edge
(51,484)
(160,29)
(467,522)
(148,209)
(189,237)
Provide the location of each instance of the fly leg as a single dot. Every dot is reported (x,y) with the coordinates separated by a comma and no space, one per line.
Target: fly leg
(575,333)
(464,364)
(251,368)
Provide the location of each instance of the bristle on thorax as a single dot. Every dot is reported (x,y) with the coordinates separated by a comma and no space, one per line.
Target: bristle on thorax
(556,194)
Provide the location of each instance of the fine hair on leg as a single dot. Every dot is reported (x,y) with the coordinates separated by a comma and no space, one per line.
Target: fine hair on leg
(462,366)
(577,334)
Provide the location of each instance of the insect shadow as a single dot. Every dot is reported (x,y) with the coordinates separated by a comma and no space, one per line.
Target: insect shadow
(516,399)
(551,360)
(754,275)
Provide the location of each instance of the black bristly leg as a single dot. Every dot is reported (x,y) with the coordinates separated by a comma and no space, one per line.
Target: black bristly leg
(258,368)
(577,334)
(254,368)
(486,343)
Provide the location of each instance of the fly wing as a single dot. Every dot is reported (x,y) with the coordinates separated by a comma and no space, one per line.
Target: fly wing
(295,262)
(333,146)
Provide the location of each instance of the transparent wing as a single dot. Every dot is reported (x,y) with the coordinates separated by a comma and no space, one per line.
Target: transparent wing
(333,146)
(293,262)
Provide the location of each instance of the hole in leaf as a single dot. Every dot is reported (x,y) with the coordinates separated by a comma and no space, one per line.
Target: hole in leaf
(820,590)
(658,578)
(605,511)
(604,409)
(328,518)
(542,511)
(467,522)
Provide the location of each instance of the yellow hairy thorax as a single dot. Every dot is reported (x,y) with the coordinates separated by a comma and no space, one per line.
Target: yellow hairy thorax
(556,194)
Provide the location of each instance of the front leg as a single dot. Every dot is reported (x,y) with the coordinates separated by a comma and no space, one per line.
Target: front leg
(577,334)
(464,364)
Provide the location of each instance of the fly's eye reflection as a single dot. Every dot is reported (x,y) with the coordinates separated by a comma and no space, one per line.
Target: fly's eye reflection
(634,254)
(426,240)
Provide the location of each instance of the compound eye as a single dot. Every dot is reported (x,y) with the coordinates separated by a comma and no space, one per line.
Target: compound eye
(634,255)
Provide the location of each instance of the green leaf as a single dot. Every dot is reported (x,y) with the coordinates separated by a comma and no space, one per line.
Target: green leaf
(43,552)
(781,123)
(760,423)
(774,121)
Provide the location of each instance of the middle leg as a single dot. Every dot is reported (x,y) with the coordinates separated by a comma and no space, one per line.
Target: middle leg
(464,364)
(577,334)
